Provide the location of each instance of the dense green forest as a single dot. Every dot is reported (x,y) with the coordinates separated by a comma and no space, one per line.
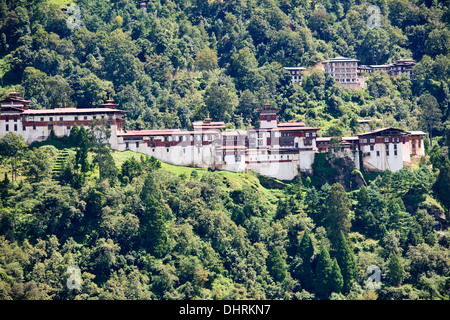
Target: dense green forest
(139,229)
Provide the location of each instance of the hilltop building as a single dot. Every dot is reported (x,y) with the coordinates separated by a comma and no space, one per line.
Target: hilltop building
(274,149)
(349,74)
(296,74)
(393,69)
(345,72)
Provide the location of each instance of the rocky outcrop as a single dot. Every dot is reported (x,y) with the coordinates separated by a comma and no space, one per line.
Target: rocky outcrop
(332,169)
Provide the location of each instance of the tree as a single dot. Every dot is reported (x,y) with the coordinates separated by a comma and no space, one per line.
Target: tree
(242,63)
(442,185)
(206,60)
(323,274)
(336,279)
(220,101)
(337,217)
(346,260)
(153,228)
(37,164)
(12,149)
(276,266)
(131,169)
(395,270)
(305,251)
(431,114)
(361,210)
(81,160)
(74,135)
(106,165)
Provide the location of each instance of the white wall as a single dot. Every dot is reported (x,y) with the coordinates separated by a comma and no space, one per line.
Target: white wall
(382,161)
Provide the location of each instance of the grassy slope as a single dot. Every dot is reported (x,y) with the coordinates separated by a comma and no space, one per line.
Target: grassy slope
(232,180)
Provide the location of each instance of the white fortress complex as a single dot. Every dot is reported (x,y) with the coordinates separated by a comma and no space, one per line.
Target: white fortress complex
(278,150)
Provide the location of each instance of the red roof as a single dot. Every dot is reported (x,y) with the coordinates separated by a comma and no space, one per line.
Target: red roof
(70,111)
(291,124)
(294,128)
(161,132)
(382,130)
(231,147)
(149,132)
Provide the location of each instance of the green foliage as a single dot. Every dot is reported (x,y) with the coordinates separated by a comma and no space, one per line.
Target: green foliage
(336,279)
(395,270)
(442,184)
(305,252)
(346,260)
(12,149)
(153,220)
(276,266)
(324,270)
(216,235)
(337,218)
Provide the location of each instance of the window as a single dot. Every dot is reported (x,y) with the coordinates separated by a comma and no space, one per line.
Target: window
(15,127)
(386,139)
(307,134)
(61,118)
(364,140)
(85,117)
(126,145)
(378,153)
(7,127)
(24,128)
(50,127)
(34,127)
(395,147)
(387,152)
(395,152)
(137,144)
(372,140)
(371,148)
(76,118)
(6,119)
(15,118)
(42,119)
(51,119)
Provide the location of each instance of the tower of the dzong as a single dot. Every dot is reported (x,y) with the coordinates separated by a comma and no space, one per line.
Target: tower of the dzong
(268,117)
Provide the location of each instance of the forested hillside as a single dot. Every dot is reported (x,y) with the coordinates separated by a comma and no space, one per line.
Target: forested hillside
(137,229)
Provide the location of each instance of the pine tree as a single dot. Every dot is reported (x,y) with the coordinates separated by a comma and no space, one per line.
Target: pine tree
(395,270)
(336,279)
(74,135)
(276,266)
(442,185)
(346,260)
(283,207)
(337,217)
(153,227)
(323,274)
(305,251)
(82,151)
